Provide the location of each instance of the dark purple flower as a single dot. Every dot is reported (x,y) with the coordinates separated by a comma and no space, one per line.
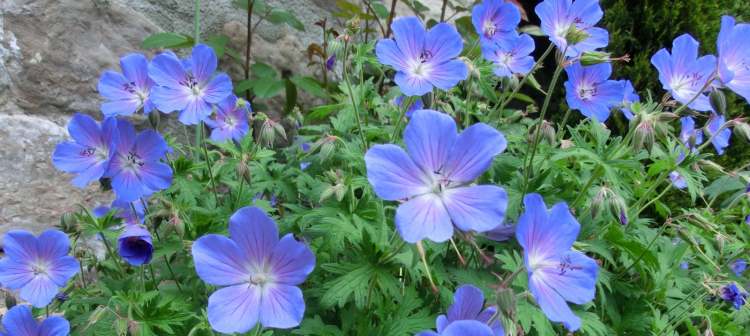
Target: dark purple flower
(19,321)
(462,328)
(739,266)
(423,59)
(570,25)
(590,91)
(37,266)
(258,272)
(733,45)
(135,245)
(510,55)
(136,169)
(189,87)
(721,139)
(468,304)
(434,177)
(556,272)
(734,295)
(230,121)
(127,92)
(495,19)
(89,154)
(416,105)
(629,96)
(683,74)
(330,62)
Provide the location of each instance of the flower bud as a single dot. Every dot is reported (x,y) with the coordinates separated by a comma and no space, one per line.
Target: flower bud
(644,136)
(506,301)
(594,57)
(69,223)
(718,101)
(565,144)
(575,35)
(548,132)
(742,129)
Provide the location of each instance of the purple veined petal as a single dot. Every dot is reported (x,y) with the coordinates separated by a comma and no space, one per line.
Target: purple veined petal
(166,70)
(219,261)
(124,107)
(473,152)
(54,326)
(197,110)
(112,85)
(574,277)
(63,269)
(20,245)
(156,175)
(150,146)
(388,53)
(468,302)
(429,137)
(501,232)
(14,274)
(85,130)
(541,237)
(486,315)
(52,244)
(393,174)
(218,89)
(127,185)
(227,105)
(443,42)
(441,322)
(720,140)
(235,309)
(467,327)
(40,291)
(446,75)
(125,136)
(662,61)
(477,208)
(291,261)
(409,34)
(135,68)
(424,217)
(553,15)
(67,157)
(553,305)
(19,321)
(203,62)
(412,85)
(588,11)
(169,99)
(255,234)
(684,51)
(282,306)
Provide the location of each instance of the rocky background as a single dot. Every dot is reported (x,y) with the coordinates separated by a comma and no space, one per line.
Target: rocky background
(51,55)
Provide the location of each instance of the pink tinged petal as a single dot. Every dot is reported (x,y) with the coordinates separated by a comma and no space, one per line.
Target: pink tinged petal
(14,274)
(443,42)
(20,246)
(53,244)
(135,68)
(203,62)
(169,99)
(574,277)
(196,111)
(412,85)
(446,75)
(85,130)
(255,233)
(166,70)
(282,306)
(40,291)
(466,328)
(478,208)
(467,303)
(234,309)
(19,321)
(218,89)
(54,326)
(473,152)
(393,175)
(553,305)
(61,270)
(424,217)
(409,34)
(219,261)
(429,137)
(291,261)
(123,107)
(388,53)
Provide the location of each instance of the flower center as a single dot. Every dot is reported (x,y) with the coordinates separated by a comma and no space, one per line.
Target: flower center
(259,279)
(39,268)
(504,57)
(192,84)
(134,161)
(489,28)
(129,87)
(231,123)
(586,91)
(100,154)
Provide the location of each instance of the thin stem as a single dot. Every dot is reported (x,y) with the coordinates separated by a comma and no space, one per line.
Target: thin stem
(143,277)
(653,187)
(82,276)
(507,99)
(197,22)
(509,279)
(153,276)
(423,256)
(390,18)
(458,253)
(158,238)
(248,43)
(372,10)
(654,199)
(112,253)
(561,129)
(239,194)
(407,103)
(594,176)
(351,96)
(442,10)
(208,162)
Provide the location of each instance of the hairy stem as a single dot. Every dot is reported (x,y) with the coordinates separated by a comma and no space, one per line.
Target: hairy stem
(351,96)
(495,110)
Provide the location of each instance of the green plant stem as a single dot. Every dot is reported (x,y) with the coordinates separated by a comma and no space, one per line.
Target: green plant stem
(442,10)
(407,102)
(458,253)
(158,238)
(662,193)
(201,127)
(423,256)
(351,96)
(143,277)
(112,253)
(390,18)
(582,192)
(561,129)
(506,100)
(651,189)
(509,279)
(239,194)
(249,44)
(197,22)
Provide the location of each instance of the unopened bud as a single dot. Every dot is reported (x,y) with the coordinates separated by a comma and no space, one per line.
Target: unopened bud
(68,222)
(565,144)
(506,301)
(644,135)
(594,57)
(666,116)
(742,129)
(718,101)
(548,132)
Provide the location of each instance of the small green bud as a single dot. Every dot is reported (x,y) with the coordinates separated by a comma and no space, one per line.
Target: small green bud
(644,136)
(68,222)
(506,301)
(548,132)
(718,101)
(594,57)
(742,129)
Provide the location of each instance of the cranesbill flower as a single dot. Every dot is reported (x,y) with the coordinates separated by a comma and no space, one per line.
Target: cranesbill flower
(468,304)
(135,245)
(629,96)
(37,266)
(720,138)
(683,74)
(510,55)
(19,321)
(462,328)
(689,135)
(128,91)
(570,25)
(89,154)
(739,266)
(556,273)
(495,20)
(136,169)
(433,178)
(734,56)
(124,211)
(259,273)
(192,89)
(423,59)
(590,91)
(734,295)
(416,105)
(230,121)
(678,181)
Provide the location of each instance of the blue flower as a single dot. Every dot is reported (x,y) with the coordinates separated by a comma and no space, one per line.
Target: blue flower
(230,121)
(433,178)
(734,295)
(689,136)
(468,304)
(19,321)
(721,139)
(37,266)
(562,19)
(739,266)
(495,20)
(733,45)
(684,265)
(258,272)
(136,169)
(135,245)
(89,154)
(556,273)
(629,96)
(590,91)
(416,105)
(124,211)
(510,55)
(189,87)
(126,92)
(683,74)
(678,181)
(423,59)
(462,328)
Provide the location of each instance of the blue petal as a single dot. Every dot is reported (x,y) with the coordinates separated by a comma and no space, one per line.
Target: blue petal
(124,107)
(219,261)
(477,208)
(424,217)
(468,302)
(541,237)
(235,309)
(255,234)
(218,89)
(412,85)
(165,70)
(54,326)
(169,99)
(19,321)
(52,244)
(575,281)
(150,146)
(156,176)
(20,246)
(473,152)
(14,274)
(135,68)
(40,291)
(393,175)
(197,110)
(203,62)
(61,270)
(67,157)
(85,130)
(429,137)
(467,327)
(409,34)
(553,305)
(388,53)
(281,306)
(443,42)
(291,261)
(446,75)
(111,86)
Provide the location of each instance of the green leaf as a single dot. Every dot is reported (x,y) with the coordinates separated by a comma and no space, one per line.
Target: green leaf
(244,85)
(167,40)
(310,85)
(262,70)
(218,43)
(278,16)
(268,88)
